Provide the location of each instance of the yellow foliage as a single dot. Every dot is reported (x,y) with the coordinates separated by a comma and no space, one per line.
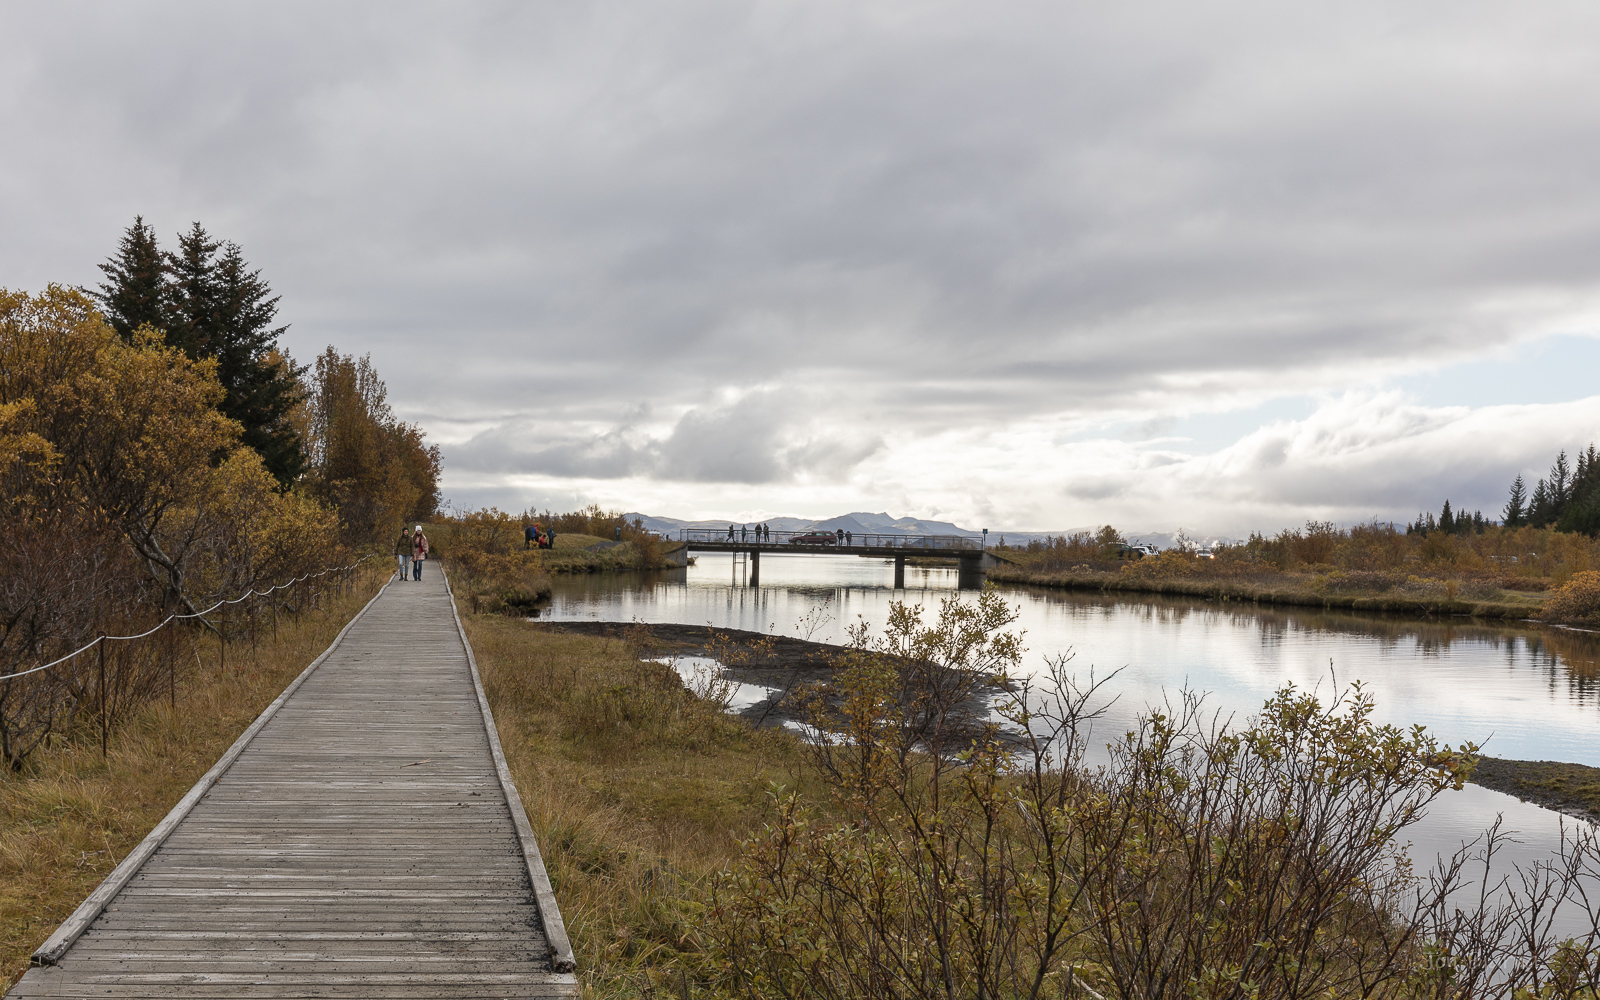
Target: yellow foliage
(112,439)
(1169,564)
(16,444)
(1576,603)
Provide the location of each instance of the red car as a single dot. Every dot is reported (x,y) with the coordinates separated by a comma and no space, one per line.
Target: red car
(815,538)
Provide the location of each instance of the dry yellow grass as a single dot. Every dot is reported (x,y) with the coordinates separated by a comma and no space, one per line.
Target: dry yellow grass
(70,816)
(637,790)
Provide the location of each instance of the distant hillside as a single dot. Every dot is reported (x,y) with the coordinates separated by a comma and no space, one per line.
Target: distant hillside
(860,521)
(886,524)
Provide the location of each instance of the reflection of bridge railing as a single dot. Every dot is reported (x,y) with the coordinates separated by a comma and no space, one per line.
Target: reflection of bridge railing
(854,540)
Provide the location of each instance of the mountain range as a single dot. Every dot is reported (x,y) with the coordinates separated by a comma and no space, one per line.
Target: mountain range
(881,523)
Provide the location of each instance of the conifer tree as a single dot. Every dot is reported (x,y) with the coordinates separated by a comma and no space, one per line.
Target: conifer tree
(1539,506)
(1516,512)
(136,293)
(1582,511)
(1447,521)
(219,308)
(1560,485)
(192,294)
(262,383)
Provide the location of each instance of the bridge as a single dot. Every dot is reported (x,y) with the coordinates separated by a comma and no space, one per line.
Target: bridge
(363,838)
(972,557)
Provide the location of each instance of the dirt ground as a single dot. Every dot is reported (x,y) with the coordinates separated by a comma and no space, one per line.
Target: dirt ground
(1570,788)
(785,664)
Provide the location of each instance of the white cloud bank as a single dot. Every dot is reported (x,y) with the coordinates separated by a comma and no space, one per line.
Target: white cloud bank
(1355,457)
(716,256)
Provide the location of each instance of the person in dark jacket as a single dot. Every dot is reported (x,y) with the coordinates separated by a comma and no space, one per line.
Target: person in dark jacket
(402,553)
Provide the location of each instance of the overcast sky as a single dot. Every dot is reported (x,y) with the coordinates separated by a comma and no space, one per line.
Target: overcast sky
(1218,266)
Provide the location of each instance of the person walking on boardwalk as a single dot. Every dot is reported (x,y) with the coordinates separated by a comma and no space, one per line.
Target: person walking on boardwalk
(402,552)
(419,552)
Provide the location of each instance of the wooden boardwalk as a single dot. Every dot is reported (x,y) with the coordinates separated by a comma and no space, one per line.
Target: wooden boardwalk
(358,841)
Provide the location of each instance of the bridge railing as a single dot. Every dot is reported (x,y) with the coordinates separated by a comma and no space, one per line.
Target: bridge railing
(750,536)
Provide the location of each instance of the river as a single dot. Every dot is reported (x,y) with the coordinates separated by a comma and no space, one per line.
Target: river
(1519,691)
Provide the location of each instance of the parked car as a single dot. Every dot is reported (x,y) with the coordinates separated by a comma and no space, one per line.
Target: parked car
(815,538)
(1137,551)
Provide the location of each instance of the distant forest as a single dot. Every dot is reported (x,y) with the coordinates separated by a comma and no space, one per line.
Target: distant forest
(1568,499)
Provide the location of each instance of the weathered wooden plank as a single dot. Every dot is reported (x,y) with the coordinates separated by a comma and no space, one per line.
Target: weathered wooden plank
(56,945)
(367,842)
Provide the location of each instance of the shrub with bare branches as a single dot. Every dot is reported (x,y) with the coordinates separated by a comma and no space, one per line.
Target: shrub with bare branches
(1200,859)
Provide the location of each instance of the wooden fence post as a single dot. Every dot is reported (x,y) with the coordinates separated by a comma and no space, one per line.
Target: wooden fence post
(172,667)
(222,642)
(102,650)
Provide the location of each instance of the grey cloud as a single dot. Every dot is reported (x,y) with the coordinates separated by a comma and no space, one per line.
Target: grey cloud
(762,437)
(949,215)
(738,443)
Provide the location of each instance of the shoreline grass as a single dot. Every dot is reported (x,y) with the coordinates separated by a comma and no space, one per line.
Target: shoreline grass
(638,792)
(1573,789)
(69,817)
(1290,591)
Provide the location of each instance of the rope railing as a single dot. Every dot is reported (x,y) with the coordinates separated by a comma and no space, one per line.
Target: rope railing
(177,617)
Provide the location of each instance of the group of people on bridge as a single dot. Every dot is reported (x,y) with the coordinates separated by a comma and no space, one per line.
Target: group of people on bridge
(763,535)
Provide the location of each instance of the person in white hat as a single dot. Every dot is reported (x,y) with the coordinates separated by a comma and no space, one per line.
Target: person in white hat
(419,552)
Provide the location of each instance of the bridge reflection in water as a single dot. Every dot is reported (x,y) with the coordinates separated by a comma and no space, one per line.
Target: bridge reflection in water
(971,556)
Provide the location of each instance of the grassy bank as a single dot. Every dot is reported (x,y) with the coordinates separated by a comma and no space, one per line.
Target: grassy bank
(70,817)
(574,552)
(1570,788)
(1427,597)
(577,557)
(1479,570)
(638,791)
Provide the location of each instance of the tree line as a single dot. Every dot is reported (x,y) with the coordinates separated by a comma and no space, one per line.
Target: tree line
(1568,499)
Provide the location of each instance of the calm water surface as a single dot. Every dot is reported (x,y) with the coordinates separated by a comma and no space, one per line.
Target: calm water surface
(1520,691)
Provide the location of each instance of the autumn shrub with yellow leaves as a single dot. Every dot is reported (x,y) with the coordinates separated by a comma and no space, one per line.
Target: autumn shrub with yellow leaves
(1575,603)
(125,495)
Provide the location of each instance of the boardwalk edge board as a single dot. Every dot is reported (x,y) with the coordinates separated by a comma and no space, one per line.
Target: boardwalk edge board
(555,929)
(56,945)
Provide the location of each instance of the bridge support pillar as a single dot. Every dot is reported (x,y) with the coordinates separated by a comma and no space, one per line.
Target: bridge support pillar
(970,576)
(755,568)
(899,572)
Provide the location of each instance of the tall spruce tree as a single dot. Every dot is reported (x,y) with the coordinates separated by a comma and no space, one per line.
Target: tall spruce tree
(222,309)
(136,294)
(1560,485)
(263,384)
(212,304)
(1516,512)
(1539,505)
(191,300)
(1582,511)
